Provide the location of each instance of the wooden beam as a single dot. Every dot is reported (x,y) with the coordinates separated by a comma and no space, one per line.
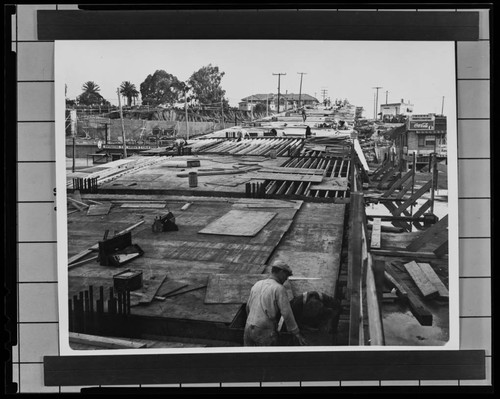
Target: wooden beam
(397,184)
(399,288)
(429,235)
(375,326)
(427,289)
(376,233)
(442,249)
(355,252)
(82,262)
(403,253)
(434,279)
(417,307)
(421,191)
(105,342)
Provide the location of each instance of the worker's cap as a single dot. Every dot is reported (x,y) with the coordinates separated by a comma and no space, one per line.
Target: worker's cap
(283,266)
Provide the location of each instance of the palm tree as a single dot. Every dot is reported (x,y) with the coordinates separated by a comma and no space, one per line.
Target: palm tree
(90,95)
(129,91)
(91,88)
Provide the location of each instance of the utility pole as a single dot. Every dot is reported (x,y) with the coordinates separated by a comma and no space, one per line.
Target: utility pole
(376,102)
(186,112)
(222,112)
(442,106)
(324,93)
(123,126)
(279,78)
(300,90)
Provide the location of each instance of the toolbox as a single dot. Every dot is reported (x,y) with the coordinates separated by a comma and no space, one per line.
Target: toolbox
(127,280)
(118,250)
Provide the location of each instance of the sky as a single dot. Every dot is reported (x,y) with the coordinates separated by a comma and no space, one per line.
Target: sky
(420,72)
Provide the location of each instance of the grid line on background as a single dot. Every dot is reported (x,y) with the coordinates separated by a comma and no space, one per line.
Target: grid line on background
(30,373)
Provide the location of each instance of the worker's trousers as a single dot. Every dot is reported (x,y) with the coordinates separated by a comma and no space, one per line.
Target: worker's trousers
(256,336)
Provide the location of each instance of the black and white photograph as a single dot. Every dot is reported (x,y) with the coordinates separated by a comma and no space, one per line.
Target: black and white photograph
(256,195)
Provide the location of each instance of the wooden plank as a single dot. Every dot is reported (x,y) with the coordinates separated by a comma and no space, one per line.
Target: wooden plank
(143,205)
(333,184)
(304,171)
(376,233)
(361,155)
(82,262)
(374,319)
(417,307)
(429,235)
(286,177)
(104,342)
(147,292)
(268,203)
(355,269)
(427,289)
(442,249)
(403,253)
(188,288)
(397,184)
(169,286)
(434,279)
(213,173)
(401,291)
(99,210)
(239,223)
(421,191)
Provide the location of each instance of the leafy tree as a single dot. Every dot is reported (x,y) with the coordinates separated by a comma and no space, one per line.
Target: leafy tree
(161,88)
(259,108)
(205,85)
(129,91)
(90,95)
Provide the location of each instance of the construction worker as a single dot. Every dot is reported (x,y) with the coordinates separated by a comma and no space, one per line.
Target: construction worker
(304,115)
(267,303)
(316,311)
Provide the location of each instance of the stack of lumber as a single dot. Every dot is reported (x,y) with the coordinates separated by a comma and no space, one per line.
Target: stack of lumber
(258,147)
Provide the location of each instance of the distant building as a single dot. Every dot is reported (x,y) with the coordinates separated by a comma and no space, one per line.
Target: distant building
(388,111)
(424,134)
(288,101)
(249,103)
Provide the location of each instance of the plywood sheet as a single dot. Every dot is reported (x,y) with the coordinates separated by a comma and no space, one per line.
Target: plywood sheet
(140,177)
(98,210)
(233,288)
(239,223)
(147,292)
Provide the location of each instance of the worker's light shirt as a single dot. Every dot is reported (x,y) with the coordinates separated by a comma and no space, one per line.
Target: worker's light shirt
(268,301)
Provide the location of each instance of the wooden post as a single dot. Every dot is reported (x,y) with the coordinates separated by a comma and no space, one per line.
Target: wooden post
(123,126)
(356,263)
(70,315)
(74,153)
(414,167)
(433,170)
